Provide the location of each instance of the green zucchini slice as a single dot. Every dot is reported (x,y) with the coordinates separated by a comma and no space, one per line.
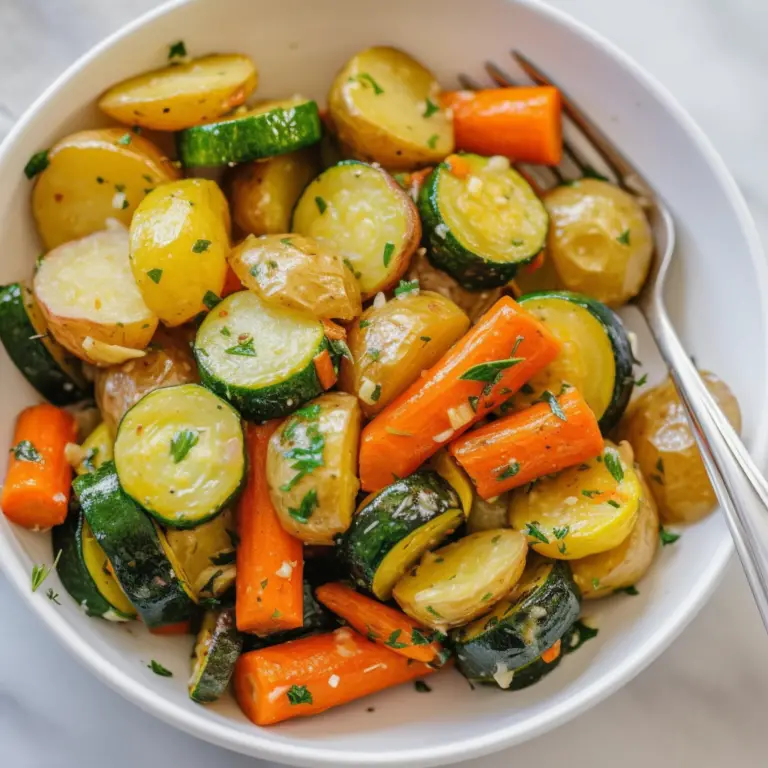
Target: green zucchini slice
(180,454)
(260,357)
(217,647)
(43,362)
(141,560)
(396,526)
(536,614)
(596,356)
(85,571)
(482,226)
(274,128)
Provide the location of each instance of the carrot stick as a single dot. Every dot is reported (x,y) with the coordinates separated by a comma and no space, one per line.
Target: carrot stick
(551,654)
(265,601)
(333,330)
(182,628)
(39,480)
(307,676)
(525,445)
(459,167)
(522,123)
(379,622)
(477,374)
(324,369)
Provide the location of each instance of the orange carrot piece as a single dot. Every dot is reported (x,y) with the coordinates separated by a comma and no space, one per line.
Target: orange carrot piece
(441,404)
(264,601)
(333,330)
(232,283)
(324,369)
(551,653)
(537,263)
(39,479)
(521,123)
(307,676)
(458,166)
(525,445)
(379,622)
(182,628)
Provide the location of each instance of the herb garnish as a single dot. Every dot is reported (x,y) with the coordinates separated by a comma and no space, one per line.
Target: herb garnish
(613,465)
(660,465)
(623,238)
(41,572)
(364,323)
(154,275)
(532,530)
(421,686)
(666,537)
(590,494)
(364,78)
(510,471)
(473,401)
(177,50)
(406,287)
(322,206)
(579,634)
(615,504)
(561,533)
(210,299)
(431,610)
(430,108)
(53,596)
(376,394)
(201,246)
(159,669)
(417,638)
(554,406)
(244,348)
(125,139)
(183,442)
(36,164)
(24,450)
(389,249)
(432,141)
(299,694)
(642,380)
(308,458)
(307,506)
(595,584)
(630,590)
(393,642)
(208,586)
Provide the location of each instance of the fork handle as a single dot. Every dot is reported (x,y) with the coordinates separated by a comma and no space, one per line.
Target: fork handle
(738,483)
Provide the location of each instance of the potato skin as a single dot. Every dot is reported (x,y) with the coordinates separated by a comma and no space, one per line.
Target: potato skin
(396,343)
(179,246)
(657,428)
(94,176)
(169,362)
(600,241)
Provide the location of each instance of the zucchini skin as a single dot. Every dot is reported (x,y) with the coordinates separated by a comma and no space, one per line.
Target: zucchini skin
(397,511)
(250,137)
(510,642)
(624,382)
(271,402)
(130,541)
(226,643)
(470,269)
(30,355)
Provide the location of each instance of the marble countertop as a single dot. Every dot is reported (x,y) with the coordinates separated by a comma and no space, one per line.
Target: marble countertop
(701,704)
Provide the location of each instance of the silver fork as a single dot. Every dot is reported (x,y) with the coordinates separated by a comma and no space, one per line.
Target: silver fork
(740,487)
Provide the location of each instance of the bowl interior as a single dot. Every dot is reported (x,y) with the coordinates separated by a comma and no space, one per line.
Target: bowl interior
(718,265)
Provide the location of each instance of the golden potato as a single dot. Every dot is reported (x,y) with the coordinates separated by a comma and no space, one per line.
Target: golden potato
(599,575)
(657,428)
(386,107)
(92,177)
(488,515)
(181,95)
(600,241)
(391,345)
(264,192)
(168,362)
(298,273)
(90,300)
(179,246)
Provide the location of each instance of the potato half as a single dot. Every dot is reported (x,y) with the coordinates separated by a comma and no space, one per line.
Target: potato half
(90,300)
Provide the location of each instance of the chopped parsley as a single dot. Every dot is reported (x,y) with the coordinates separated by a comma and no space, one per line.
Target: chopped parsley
(642,380)
(243,348)
(286,241)
(623,238)
(210,299)
(348,264)
(389,249)
(155,275)
(430,108)
(201,246)
(36,164)
(595,584)
(177,50)
(421,686)
(660,465)
(299,694)
(125,139)
(561,533)
(486,597)
(276,614)
(406,287)
(630,590)
(532,530)
(417,638)
(431,610)
(225,331)
(41,572)
(657,479)
(510,471)
(590,494)
(183,442)
(376,394)
(580,634)
(159,669)
(364,323)
(306,507)
(307,457)
(425,339)
(24,450)
(666,537)
(613,465)
(517,243)
(554,406)
(393,642)
(322,206)
(432,141)
(53,596)
(490,371)
(615,504)
(374,353)
(473,401)
(364,78)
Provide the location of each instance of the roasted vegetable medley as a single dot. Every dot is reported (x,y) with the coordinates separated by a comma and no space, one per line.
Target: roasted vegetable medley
(364,399)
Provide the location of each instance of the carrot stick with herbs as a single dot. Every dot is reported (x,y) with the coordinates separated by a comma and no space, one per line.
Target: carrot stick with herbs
(380,623)
(307,676)
(492,361)
(324,369)
(39,479)
(523,124)
(537,441)
(270,563)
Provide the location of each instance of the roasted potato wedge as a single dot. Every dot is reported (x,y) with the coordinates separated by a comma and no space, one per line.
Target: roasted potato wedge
(657,428)
(264,192)
(392,344)
(179,246)
(181,95)
(168,362)
(92,177)
(386,107)
(600,241)
(90,300)
(299,273)
(488,515)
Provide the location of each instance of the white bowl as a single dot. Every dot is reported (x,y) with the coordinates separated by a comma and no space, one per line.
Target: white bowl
(716,299)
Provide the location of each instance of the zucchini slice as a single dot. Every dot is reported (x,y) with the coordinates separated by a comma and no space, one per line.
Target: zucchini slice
(260,357)
(533,617)
(596,356)
(85,571)
(274,128)
(95,450)
(396,526)
(141,560)
(217,647)
(193,444)
(43,362)
(362,211)
(582,510)
(481,226)
(460,581)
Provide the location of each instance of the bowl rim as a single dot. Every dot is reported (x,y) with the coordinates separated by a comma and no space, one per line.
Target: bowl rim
(253,743)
